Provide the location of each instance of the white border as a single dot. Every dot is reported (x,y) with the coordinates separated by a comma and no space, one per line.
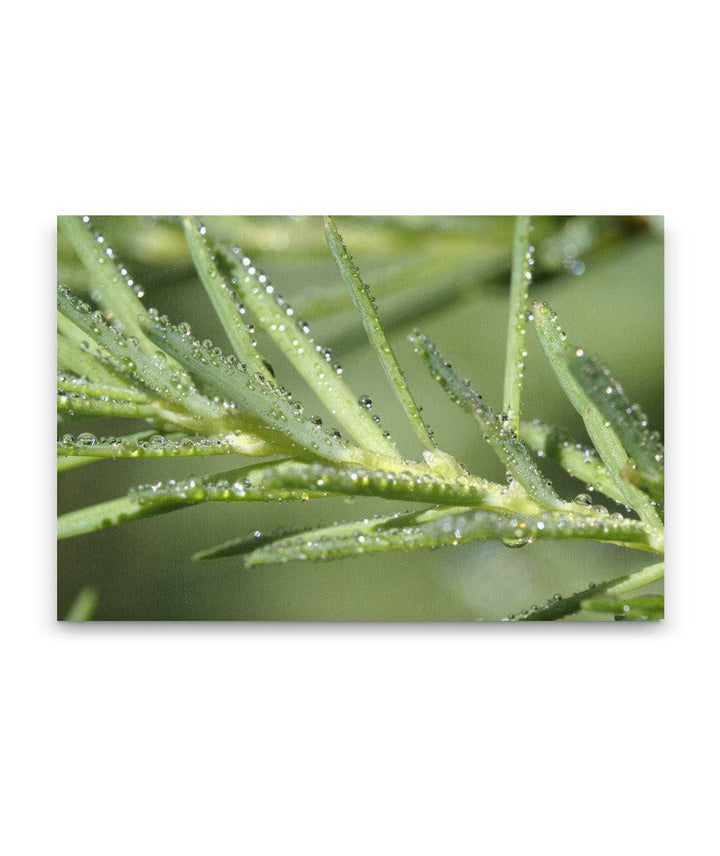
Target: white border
(359,739)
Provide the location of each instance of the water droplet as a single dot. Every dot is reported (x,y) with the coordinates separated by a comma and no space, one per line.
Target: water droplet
(516,542)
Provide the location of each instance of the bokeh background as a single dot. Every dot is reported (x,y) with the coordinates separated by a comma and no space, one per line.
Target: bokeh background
(447,275)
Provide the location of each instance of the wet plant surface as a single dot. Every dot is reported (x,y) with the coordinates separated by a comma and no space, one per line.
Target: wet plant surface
(120,360)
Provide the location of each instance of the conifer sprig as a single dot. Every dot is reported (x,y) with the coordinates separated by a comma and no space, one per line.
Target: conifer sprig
(117,358)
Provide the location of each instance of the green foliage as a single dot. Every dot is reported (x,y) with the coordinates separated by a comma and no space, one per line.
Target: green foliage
(118,359)
(83,607)
(366,304)
(520,277)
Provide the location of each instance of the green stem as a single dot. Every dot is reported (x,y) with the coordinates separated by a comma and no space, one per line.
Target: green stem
(604,438)
(204,255)
(83,607)
(311,361)
(517,321)
(365,303)
(639,579)
(562,607)
(118,295)
(580,461)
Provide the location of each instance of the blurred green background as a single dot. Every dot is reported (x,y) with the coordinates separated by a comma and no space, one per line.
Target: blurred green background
(447,275)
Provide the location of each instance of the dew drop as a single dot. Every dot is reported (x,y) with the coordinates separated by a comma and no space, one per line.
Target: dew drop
(515,542)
